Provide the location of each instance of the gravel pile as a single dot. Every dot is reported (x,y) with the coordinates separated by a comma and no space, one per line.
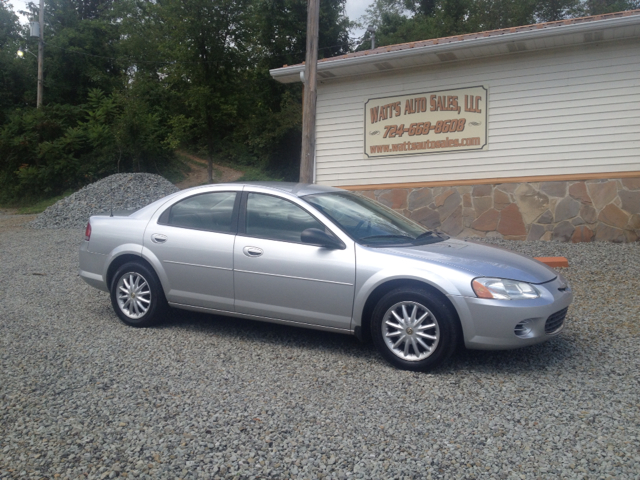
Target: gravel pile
(122,191)
(202,396)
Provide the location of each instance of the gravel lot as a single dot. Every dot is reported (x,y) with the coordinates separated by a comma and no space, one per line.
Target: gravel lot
(84,396)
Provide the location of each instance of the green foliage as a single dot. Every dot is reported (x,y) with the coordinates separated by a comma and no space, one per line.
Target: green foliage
(270,133)
(211,61)
(48,150)
(281,27)
(29,143)
(180,131)
(553,10)
(14,74)
(400,21)
(495,14)
(599,7)
(81,38)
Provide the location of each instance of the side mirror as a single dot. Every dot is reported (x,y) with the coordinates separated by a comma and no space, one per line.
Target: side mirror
(315,236)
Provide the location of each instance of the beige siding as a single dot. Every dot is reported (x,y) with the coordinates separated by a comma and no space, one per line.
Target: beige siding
(562,111)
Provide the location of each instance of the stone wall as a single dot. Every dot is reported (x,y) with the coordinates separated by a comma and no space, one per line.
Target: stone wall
(568,211)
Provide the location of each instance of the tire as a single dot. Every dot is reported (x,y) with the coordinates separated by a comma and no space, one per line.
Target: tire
(413,329)
(137,296)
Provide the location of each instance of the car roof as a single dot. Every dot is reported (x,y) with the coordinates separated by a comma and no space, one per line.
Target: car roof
(298,189)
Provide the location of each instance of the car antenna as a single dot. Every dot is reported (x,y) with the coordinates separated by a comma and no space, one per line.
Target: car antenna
(111,189)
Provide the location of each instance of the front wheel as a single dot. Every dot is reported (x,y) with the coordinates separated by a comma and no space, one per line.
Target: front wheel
(137,296)
(413,329)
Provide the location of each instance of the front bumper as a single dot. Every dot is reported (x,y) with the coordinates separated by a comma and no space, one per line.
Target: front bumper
(491,324)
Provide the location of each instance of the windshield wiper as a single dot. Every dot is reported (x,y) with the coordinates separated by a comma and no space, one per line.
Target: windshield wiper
(387,236)
(428,233)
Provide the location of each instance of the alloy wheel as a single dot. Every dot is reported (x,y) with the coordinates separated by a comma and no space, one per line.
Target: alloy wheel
(134,295)
(410,331)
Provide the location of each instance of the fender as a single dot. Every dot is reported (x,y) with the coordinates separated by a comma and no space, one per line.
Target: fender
(138,251)
(124,249)
(438,281)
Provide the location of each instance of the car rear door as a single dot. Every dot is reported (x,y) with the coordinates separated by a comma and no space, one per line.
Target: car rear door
(193,240)
(277,276)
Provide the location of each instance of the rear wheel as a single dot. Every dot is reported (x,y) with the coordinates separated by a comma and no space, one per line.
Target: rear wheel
(413,329)
(137,296)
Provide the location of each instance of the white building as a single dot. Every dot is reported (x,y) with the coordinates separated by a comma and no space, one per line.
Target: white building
(528,132)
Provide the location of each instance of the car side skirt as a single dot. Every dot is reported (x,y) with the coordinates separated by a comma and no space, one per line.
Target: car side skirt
(262,319)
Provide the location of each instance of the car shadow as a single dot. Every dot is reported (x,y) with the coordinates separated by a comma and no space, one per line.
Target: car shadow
(553,354)
(278,335)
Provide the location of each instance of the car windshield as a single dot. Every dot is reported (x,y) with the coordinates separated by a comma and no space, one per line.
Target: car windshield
(370,223)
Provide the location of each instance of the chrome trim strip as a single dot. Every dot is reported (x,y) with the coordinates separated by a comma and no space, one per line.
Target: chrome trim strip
(196,265)
(261,319)
(295,278)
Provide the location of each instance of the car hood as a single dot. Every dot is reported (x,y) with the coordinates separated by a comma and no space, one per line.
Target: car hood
(479,260)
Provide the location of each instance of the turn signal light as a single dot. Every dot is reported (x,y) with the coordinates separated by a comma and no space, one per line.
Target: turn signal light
(481,290)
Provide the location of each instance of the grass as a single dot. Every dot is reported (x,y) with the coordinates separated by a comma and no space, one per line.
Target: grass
(29,206)
(176,170)
(257,174)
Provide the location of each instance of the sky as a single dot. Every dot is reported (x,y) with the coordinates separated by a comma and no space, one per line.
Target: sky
(19,5)
(355,9)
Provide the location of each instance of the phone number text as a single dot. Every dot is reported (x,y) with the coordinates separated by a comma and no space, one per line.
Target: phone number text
(424,128)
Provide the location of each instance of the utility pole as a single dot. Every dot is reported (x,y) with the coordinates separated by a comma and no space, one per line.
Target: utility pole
(310,86)
(40,55)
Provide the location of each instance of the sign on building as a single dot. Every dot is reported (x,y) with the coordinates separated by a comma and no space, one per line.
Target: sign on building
(424,123)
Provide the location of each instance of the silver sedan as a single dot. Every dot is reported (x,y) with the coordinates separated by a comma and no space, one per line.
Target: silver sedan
(322,258)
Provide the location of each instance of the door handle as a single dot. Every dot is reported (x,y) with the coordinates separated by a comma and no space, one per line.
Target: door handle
(252,251)
(158,238)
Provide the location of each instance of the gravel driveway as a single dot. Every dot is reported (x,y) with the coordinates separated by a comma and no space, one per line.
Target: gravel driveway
(82,395)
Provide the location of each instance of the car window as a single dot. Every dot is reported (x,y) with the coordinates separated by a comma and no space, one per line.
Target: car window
(207,211)
(277,219)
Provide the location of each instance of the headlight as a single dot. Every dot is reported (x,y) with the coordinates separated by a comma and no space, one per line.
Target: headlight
(502,289)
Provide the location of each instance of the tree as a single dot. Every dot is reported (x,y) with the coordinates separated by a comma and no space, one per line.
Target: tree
(554,10)
(487,15)
(272,130)
(282,25)
(399,21)
(81,45)
(598,7)
(211,61)
(205,51)
(15,76)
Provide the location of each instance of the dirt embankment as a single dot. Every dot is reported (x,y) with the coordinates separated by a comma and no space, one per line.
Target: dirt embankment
(198,174)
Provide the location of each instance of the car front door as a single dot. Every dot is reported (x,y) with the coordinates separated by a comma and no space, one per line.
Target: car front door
(278,276)
(193,240)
